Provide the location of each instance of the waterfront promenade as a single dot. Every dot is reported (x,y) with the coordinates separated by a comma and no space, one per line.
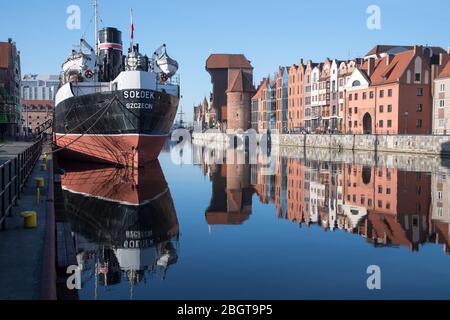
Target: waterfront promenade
(23,251)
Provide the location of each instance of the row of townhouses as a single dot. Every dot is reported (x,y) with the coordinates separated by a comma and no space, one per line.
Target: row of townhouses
(391,90)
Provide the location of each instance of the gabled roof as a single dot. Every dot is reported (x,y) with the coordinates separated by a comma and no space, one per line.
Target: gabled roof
(445,73)
(260,89)
(383,48)
(241,83)
(384,73)
(228,61)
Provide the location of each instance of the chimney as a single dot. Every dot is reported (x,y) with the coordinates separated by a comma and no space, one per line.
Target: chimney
(301,60)
(9,40)
(370,66)
(416,50)
(389,59)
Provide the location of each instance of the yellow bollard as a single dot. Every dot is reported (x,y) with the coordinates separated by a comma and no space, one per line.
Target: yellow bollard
(40,182)
(43,167)
(29,219)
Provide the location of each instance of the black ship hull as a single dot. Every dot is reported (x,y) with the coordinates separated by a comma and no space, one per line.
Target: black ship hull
(127,127)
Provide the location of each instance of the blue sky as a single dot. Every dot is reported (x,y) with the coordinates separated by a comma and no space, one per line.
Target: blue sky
(269,33)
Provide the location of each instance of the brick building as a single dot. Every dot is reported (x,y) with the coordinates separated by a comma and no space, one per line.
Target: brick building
(228,71)
(296,97)
(392,95)
(441,101)
(10,77)
(282,81)
(38,100)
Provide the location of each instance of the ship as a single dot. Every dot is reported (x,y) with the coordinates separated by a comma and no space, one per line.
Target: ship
(115,108)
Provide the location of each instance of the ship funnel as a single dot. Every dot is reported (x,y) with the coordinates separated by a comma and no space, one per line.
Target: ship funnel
(110,53)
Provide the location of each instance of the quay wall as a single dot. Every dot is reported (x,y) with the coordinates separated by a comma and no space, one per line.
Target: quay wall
(411,144)
(339,149)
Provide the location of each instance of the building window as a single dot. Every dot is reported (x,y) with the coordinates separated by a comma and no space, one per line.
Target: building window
(419,123)
(389,123)
(381,93)
(371,95)
(419,107)
(390,93)
(417,77)
(381,109)
(356,110)
(364,95)
(442,87)
(389,108)
(355,124)
(381,124)
(350,124)
(380,204)
(441,123)
(440,212)
(356,96)
(350,111)
(369,202)
(441,103)
(388,206)
(350,97)
(419,92)
(388,191)
(380,189)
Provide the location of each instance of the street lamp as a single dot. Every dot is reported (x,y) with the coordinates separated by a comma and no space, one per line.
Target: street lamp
(406,122)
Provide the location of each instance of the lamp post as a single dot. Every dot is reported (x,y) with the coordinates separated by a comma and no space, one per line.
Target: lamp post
(406,122)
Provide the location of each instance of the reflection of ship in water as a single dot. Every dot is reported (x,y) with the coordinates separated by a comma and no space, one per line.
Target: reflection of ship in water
(124,222)
(389,207)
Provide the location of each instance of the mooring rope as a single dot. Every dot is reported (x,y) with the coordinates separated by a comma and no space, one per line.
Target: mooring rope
(104,109)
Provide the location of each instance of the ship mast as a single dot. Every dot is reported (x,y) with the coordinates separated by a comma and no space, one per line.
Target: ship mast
(96,26)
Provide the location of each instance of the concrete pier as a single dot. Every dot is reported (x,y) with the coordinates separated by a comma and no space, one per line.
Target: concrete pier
(24,252)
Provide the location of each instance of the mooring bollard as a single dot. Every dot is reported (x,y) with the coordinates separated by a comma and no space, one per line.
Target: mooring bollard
(29,219)
(40,183)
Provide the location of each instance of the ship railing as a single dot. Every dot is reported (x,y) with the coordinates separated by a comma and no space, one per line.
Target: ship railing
(174,81)
(14,174)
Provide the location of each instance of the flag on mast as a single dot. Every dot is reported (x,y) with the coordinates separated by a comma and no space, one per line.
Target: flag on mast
(132,28)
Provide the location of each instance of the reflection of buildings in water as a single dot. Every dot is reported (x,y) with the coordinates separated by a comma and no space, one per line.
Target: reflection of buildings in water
(231,201)
(124,221)
(440,213)
(387,206)
(395,204)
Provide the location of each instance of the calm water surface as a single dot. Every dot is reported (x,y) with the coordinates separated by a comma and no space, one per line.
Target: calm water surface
(307,230)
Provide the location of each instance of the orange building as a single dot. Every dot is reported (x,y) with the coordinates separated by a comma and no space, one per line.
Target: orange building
(296,97)
(36,113)
(258,113)
(392,94)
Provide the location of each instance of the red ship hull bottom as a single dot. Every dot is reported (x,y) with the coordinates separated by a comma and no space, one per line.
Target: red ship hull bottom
(126,150)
